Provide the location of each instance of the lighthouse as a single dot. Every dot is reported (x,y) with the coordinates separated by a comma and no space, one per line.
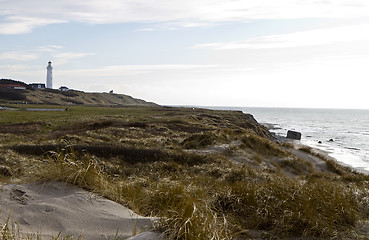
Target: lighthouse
(49,77)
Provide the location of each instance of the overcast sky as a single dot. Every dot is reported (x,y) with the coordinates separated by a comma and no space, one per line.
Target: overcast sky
(270,53)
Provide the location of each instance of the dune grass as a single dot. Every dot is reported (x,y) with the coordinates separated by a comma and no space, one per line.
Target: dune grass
(155,162)
(192,202)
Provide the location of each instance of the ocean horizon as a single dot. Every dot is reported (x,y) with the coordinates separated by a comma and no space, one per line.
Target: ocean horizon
(342,133)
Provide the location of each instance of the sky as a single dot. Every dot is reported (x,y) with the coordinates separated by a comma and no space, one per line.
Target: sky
(264,53)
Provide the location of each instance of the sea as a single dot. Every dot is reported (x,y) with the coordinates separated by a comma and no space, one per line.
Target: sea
(342,133)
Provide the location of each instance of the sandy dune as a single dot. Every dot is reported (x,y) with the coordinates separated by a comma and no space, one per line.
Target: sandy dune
(50,208)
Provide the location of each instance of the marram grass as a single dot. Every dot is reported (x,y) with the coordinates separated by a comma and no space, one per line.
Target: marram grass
(215,199)
(179,165)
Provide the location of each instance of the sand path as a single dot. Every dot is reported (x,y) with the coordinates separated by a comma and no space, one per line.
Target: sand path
(50,208)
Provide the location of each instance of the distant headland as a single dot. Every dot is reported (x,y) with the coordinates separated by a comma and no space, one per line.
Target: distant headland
(12,91)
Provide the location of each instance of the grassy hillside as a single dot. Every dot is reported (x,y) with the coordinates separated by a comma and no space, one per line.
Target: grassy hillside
(56,97)
(205,174)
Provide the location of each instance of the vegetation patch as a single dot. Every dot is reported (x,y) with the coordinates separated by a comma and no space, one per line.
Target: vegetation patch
(287,207)
(84,126)
(196,141)
(130,155)
(71,100)
(195,204)
(12,95)
(135,157)
(262,145)
(21,128)
(69,93)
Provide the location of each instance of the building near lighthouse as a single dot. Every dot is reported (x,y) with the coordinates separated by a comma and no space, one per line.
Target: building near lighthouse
(38,85)
(49,77)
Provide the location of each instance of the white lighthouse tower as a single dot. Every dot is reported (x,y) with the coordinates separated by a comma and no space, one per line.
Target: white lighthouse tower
(49,77)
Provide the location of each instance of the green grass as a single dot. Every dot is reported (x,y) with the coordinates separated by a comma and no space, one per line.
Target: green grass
(75,114)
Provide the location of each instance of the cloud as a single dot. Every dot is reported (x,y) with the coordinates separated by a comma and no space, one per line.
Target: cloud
(64,57)
(122,70)
(50,48)
(18,56)
(129,70)
(21,25)
(52,52)
(19,68)
(171,26)
(22,16)
(296,39)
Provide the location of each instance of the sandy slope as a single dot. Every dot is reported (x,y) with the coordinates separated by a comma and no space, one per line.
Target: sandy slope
(49,208)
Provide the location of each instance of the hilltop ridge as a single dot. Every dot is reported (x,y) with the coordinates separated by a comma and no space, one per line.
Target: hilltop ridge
(10,93)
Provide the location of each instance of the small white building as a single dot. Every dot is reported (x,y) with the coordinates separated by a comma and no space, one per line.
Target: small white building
(38,85)
(63,88)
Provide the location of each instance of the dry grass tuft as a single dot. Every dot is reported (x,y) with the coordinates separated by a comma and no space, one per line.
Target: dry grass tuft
(197,141)
(288,208)
(195,203)
(262,145)
(297,165)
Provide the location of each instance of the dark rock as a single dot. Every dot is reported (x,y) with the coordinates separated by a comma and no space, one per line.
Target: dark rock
(293,135)
(331,140)
(319,142)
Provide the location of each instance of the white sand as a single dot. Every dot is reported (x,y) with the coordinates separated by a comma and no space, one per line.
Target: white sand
(50,208)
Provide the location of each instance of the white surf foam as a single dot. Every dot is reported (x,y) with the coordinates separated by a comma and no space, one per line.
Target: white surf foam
(341,155)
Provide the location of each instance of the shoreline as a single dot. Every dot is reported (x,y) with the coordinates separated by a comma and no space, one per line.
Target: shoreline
(298,144)
(343,155)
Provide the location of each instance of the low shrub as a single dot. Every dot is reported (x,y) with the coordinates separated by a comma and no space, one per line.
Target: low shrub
(125,154)
(290,208)
(12,95)
(262,145)
(199,140)
(69,93)
(306,149)
(298,165)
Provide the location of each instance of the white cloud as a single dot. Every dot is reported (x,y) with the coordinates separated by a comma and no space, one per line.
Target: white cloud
(64,57)
(52,52)
(18,56)
(25,73)
(21,24)
(122,70)
(18,68)
(297,39)
(170,26)
(22,16)
(50,48)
